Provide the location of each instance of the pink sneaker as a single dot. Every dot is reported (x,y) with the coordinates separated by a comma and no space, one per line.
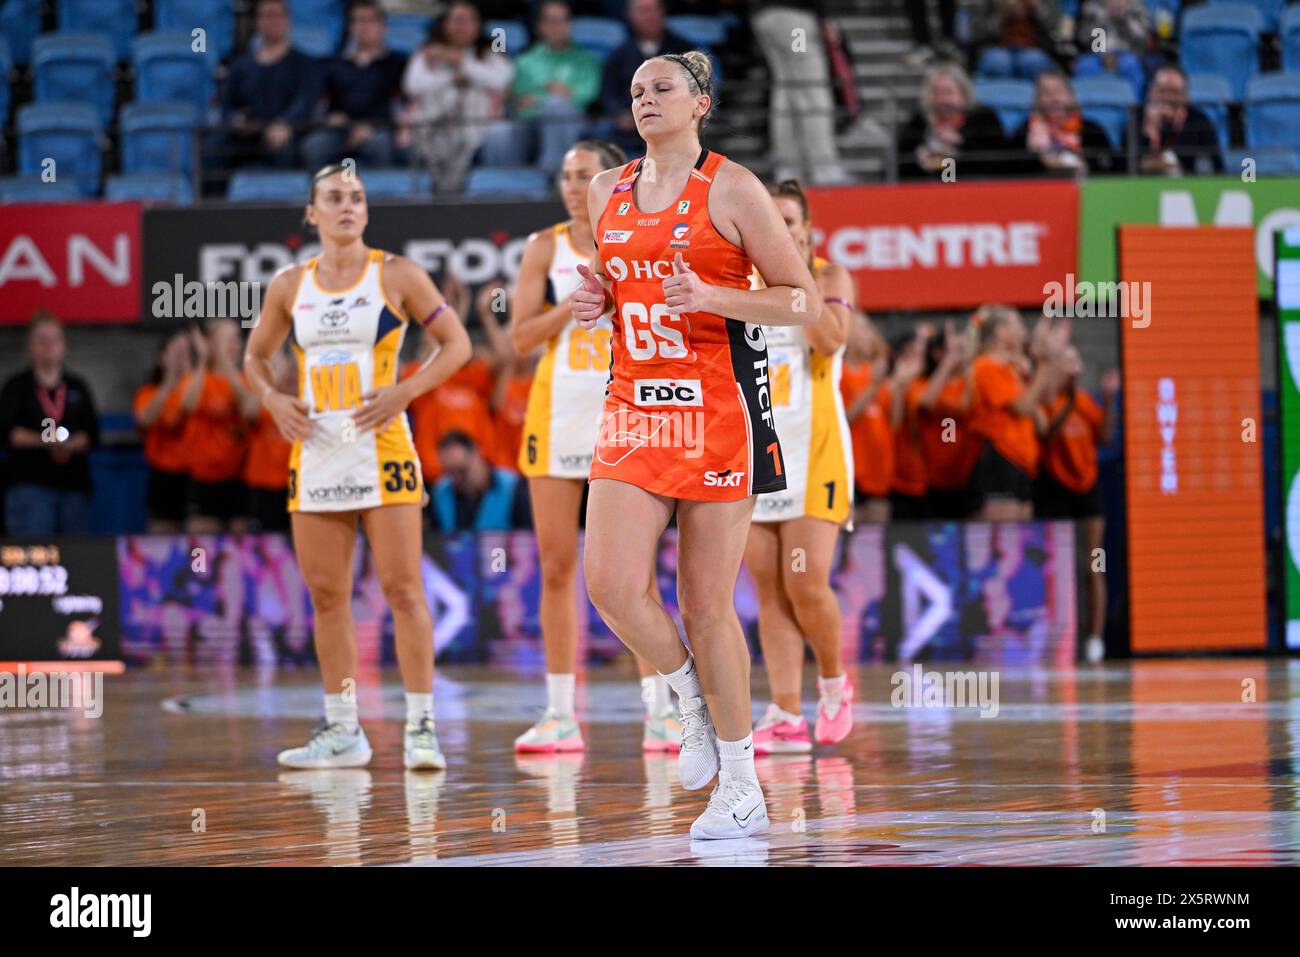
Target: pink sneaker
(777,735)
(832,729)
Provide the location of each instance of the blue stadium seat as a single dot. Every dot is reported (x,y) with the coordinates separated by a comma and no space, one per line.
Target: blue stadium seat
(1011,100)
(6,67)
(1211,94)
(1222,38)
(407,31)
(69,134)
(396,183)
(513,32)
(1289,33)
(215,17)
(707,31)
(167,68)
(1272,163)
(264,186)
(159,137)
(113,18)
(317,26)
(1268,11)
(1272,114)
(75,68)
(148,187)
(599,35)
(30,189)
(20,24)
(1106,101)
(508,181)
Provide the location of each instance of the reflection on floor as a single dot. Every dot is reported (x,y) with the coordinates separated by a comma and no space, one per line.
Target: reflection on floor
(1155,762)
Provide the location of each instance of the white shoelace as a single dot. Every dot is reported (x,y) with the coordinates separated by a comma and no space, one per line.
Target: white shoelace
(425,735)
(729,793)
(326,737)
(694,726)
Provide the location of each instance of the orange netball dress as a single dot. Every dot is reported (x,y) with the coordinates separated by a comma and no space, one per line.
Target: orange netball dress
(688,407)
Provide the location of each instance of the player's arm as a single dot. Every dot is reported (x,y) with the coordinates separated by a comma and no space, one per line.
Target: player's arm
(831,331)
(268,335)
(593,299)
(418,297)
(531,321)
(744,212)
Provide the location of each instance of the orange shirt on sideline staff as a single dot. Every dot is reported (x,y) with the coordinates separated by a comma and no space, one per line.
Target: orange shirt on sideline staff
(267,463)
(909,466)
(509,422)
(164,441)
(997,385)
(948,464)
(1071,456)
(458,405)
(216,435)
(873,440)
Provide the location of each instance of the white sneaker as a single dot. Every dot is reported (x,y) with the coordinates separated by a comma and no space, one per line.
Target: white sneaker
(330,746)
(736,809)
(697,761)
(551,734)
(422,751)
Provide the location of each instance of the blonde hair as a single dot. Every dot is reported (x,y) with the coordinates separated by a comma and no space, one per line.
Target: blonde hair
(953,72)
(699,77)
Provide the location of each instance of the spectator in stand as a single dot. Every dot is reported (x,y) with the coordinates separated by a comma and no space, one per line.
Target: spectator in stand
(555,82)
(1070,427)
(363,89)
(266,464)
(907,493)
(949,448)
(923,37)
(472,495)
(219,409)
(1057,136)
(801,125)
(49,423)
(512,376)
(648,37)
(864,383)
(1176,136)
(951,126)
(457,85)
(1115,37)
(160,419)
(1014,35)
(268,92)
(1008,391)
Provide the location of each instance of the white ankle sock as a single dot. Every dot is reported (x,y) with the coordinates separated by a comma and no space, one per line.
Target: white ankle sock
(656,695)
(559,694)
(737,758)
(338,711)
(418,707)
(686,680)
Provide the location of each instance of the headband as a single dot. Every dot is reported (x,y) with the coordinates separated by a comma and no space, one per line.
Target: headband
(678,58)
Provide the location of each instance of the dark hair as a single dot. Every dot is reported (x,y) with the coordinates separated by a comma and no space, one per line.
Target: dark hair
(610,154)
(374,5)
(457,438)
(259,4)
(791,189)
(438,29)
(568,8)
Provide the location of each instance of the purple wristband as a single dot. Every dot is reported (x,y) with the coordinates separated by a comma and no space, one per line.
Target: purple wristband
(433,315)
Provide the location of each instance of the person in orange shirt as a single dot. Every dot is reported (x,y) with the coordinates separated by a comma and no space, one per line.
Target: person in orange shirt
(159,417)
(865,385)
(510,409)
(458,405)
(266,466)
(1006,398)
(942,398)
(219,409)
(907,492)
(1071,426)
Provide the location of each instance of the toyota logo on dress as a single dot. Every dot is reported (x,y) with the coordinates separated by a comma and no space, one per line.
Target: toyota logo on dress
(334,318)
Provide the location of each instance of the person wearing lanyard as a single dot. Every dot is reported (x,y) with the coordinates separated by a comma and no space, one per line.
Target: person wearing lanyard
(48,423)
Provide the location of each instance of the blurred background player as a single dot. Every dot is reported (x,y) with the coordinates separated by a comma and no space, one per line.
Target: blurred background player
(792,539)
(354,459)
(564,411)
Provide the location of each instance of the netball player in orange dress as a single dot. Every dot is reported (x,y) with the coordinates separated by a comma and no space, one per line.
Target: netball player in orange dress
(353,459)
(688,422)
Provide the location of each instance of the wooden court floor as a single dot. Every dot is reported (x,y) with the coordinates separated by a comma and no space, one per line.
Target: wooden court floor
(1152,762)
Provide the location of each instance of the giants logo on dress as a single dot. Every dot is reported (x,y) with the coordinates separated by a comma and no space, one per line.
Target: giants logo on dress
(679,239)
(668,392)
(616,236)
(724,479)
